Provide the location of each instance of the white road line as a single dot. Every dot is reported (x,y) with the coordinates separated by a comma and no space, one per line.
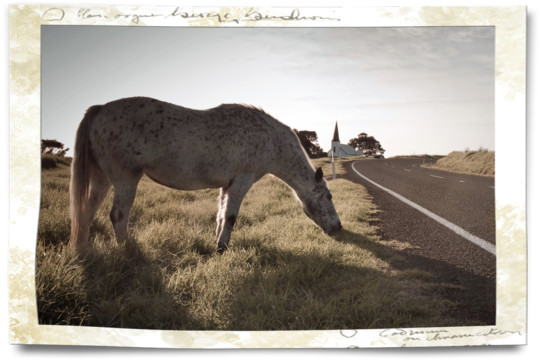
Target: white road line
(407,170)
(468,236)
(493,187)
(438,177)
(461,181)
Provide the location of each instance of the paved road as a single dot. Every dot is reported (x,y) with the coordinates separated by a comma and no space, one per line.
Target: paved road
(446,222)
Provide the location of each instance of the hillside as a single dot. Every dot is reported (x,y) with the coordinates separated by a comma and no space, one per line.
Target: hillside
(481,162)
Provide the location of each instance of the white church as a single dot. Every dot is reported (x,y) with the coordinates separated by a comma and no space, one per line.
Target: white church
(342,150)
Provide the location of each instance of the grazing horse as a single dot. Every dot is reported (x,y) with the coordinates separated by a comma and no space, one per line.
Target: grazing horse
(228,147)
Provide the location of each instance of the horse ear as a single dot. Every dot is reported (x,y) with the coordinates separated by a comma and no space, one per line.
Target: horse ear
(318,175)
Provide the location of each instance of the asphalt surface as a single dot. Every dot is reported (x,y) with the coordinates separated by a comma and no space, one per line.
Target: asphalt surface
(465,201)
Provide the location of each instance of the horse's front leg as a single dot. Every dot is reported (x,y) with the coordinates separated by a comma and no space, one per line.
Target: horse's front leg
(221,210)
(230,201)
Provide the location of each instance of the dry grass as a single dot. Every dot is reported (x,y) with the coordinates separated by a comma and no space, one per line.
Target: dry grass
(281,271)
(481,162)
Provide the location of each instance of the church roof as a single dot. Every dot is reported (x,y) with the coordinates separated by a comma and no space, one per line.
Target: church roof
(336,134)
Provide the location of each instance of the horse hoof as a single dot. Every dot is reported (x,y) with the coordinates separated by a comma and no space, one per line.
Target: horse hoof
(221,249)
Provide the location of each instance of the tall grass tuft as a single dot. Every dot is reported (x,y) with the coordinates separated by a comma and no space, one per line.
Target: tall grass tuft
(281,271)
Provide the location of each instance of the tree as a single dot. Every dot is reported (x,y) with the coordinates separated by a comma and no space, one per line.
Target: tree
(310,142)
(53,147)
(368,144)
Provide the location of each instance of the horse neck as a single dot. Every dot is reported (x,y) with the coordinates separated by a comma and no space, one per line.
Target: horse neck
(299,174)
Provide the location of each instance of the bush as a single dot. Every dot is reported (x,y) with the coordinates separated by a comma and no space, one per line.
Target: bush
(48,162)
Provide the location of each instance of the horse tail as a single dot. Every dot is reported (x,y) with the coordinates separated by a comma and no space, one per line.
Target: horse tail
(79,187)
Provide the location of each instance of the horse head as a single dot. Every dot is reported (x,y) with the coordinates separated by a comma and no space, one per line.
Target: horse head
(318,206)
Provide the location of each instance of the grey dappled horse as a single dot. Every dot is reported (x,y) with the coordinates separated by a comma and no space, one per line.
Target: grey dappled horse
(228,147)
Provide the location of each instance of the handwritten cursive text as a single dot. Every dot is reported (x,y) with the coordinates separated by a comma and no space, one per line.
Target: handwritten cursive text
(239,16)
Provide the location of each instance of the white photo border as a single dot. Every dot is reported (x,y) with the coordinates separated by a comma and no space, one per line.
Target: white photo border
(25,171)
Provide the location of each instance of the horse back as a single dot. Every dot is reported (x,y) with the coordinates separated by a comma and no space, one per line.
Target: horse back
(187,148)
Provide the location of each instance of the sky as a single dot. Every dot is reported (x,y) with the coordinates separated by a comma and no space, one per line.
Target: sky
(418,90)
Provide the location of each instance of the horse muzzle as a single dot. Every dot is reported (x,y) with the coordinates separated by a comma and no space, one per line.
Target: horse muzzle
(335,229)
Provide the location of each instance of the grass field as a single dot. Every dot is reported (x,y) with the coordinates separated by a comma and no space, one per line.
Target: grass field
(481,162)
(281,271)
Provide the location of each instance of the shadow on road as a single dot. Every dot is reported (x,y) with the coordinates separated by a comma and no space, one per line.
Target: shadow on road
(473,295)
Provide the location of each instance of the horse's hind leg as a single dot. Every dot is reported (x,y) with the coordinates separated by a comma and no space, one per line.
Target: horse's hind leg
(124,194)
(99,187)
(230,201)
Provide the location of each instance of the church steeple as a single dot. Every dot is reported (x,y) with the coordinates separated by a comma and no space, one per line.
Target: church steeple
(336,134)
